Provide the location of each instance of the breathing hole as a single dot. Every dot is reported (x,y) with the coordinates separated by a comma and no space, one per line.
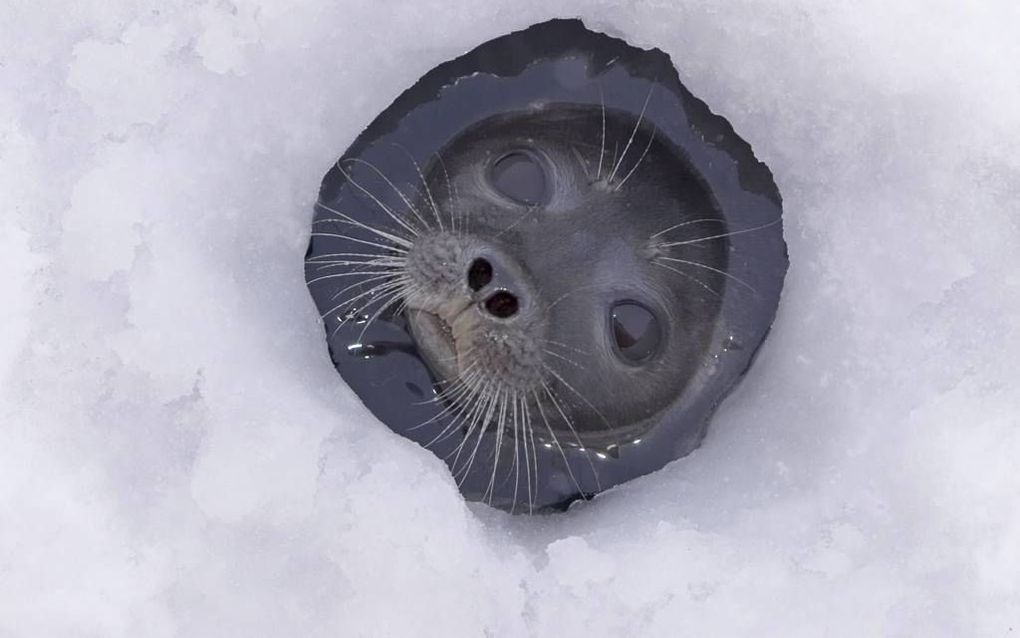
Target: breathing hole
(502,305)
(479,274)
(636,331)
(519,177)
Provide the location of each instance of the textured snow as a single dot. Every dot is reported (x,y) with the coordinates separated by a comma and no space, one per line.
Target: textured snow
(178,457)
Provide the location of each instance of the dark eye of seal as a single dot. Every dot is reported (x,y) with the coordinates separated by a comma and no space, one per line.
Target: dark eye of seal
(636,331)
(518,176)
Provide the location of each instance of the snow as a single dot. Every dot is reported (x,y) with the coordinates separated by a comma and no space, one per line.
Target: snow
(178,458)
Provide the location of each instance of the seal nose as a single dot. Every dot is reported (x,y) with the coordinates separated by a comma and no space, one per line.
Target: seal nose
(479,274)
(503,302)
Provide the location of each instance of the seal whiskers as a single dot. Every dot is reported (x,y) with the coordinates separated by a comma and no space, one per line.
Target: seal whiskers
(342,218)
(353,239)
(651,138)
(630,140)
(410,207)
(729,276)
(695,280)
(425,185)
(602,138)
(556,440)
(400,221)
(717,236)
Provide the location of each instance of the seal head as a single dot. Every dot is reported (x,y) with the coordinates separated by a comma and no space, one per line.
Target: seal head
(566,280)
(548,263)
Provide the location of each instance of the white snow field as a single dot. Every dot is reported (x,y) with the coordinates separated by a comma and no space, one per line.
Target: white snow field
(179,458)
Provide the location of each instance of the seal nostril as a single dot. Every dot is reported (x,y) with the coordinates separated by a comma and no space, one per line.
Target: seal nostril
(479,274)
(502,304)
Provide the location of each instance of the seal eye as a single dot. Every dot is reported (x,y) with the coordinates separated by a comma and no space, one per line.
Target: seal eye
(519,176)
(636,331)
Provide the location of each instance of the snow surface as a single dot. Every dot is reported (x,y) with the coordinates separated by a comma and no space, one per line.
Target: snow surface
(178,457)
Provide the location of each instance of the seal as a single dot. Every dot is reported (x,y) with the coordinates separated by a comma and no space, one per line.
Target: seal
(548,263)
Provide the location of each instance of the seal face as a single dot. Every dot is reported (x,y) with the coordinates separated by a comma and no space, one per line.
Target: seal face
(558,277)
(548,263)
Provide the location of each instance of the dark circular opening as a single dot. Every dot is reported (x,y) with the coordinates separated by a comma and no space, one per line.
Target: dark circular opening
(479,274)
(636,331)
(505,122)
(519,177)
(502,304)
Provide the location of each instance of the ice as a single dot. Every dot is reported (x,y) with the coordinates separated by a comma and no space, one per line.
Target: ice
(178,457)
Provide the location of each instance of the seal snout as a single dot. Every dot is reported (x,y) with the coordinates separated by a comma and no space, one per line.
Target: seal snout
(498,289)
(501,304)
(475,309)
